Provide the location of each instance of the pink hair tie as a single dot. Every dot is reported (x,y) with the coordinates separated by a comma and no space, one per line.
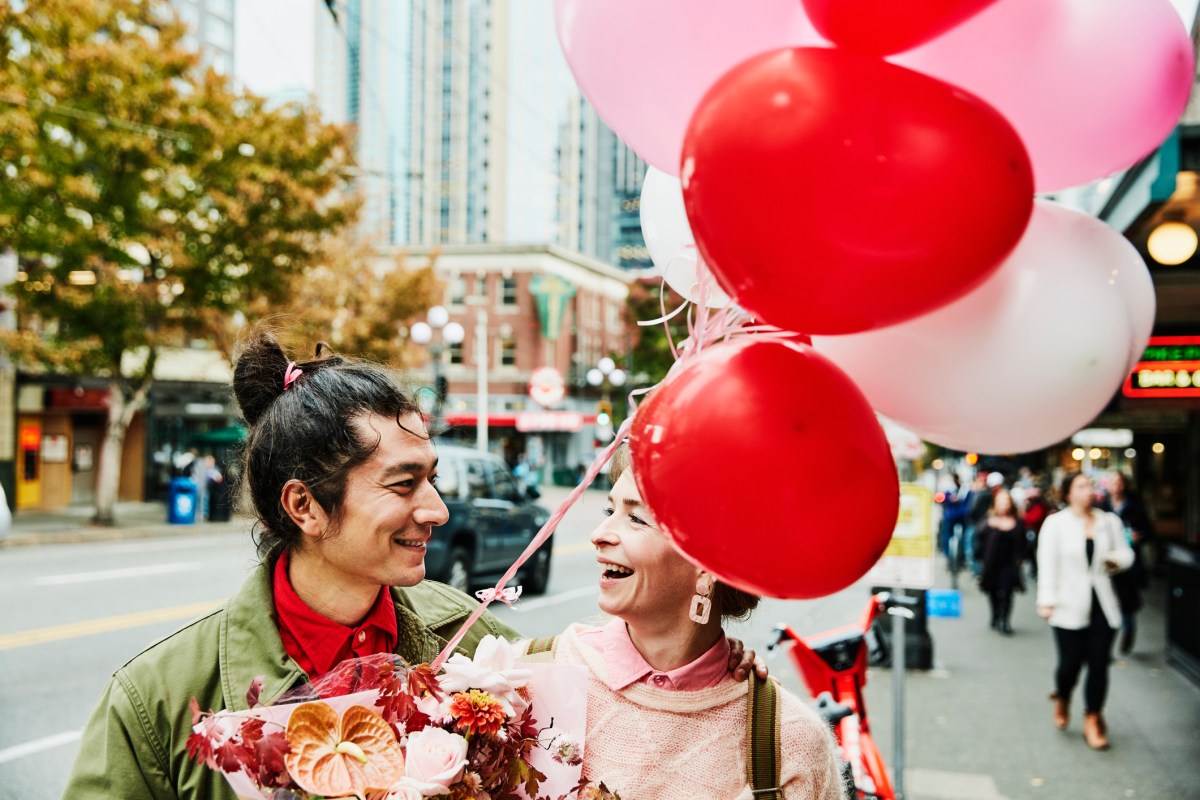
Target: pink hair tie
(289,377)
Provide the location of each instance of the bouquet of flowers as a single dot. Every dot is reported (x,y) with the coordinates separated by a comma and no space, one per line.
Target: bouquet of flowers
(377,729)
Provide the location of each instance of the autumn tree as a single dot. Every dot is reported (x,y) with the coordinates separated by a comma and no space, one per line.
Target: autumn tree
(352,296)
(652,355)
(144,195)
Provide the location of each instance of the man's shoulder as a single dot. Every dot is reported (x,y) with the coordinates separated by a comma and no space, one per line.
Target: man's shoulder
(435,603)
(180,665)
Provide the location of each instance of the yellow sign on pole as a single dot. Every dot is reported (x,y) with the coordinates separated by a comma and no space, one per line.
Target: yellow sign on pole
(908,560)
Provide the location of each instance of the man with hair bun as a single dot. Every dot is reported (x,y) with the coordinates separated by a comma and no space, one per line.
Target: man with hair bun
(341,472)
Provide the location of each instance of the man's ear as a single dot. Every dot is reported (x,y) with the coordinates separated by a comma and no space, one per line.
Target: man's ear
(303,508)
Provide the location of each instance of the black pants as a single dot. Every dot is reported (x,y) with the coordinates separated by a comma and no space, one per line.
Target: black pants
(1093,645)
(1002,600)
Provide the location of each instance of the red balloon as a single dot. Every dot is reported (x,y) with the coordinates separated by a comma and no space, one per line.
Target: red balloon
(766,466)
(831,192)
(882,27)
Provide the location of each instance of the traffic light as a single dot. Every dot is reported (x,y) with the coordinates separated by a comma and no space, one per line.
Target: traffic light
(442,388)
(604,407)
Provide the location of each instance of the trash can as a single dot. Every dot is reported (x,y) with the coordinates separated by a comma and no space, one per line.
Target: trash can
(220,501)
(181,502)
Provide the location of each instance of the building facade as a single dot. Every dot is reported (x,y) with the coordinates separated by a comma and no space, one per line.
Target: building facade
(525,308)
(422,84)
(211,23)
(599,211)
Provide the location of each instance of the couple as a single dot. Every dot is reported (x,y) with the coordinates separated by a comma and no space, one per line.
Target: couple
(341,473)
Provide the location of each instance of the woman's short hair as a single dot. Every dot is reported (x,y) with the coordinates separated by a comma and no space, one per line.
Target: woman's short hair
(733,603)
(307,430)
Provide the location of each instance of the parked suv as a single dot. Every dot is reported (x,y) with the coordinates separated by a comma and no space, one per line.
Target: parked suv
(492,520)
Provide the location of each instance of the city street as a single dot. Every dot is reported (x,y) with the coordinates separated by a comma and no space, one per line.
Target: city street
(978,725)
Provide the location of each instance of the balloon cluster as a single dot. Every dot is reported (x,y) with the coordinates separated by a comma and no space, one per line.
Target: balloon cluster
(863,172)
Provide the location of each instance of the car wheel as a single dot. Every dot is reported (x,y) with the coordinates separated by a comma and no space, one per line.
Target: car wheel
(536,575)
(459,576)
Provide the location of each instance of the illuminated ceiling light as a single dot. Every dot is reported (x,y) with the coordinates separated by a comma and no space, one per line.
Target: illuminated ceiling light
(1172,243)
(938,463)
(81,277)
(1158,447)
(1077,454)
(1094,453)
(1130,453)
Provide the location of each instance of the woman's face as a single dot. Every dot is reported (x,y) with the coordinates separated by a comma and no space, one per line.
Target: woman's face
(1002,504)
(1118,484)
(642,576)
(1081,492)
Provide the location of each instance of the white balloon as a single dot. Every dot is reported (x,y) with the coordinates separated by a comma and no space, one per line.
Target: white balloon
(1023,361)
(664,221)
(1135,283)
(680,275)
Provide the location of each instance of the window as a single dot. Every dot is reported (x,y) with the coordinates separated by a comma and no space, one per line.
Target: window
(503,486)
(480,286)
(457,291)
(508,351)
(508,289)
(456,352)
(477,484)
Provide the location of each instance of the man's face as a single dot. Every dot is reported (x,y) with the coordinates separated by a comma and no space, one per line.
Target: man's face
(389,510)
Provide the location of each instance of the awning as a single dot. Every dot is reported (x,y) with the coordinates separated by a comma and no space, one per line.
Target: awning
(526,421)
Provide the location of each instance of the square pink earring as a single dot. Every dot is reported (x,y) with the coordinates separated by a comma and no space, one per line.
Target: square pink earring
(701,603)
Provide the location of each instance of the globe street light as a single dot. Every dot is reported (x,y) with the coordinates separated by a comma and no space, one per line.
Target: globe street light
(437,319)
(605,374)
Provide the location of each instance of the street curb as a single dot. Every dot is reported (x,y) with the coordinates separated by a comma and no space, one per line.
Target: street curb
(97,533)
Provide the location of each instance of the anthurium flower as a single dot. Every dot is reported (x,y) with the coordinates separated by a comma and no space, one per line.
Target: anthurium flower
(338,757)
(493,670)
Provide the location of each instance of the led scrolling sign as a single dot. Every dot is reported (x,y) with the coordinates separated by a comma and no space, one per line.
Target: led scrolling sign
(1170,367)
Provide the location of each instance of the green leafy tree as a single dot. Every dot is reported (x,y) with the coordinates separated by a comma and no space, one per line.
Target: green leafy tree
(651,348)
(144,196)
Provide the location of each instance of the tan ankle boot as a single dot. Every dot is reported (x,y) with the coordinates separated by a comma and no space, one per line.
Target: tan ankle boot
(1093,731)
(1060,712)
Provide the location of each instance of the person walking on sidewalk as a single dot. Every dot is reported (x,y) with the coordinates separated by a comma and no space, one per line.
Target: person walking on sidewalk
(1003,539)
(1127,504)
(1079,549)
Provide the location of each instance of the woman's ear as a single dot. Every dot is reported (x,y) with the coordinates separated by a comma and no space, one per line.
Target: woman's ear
(304,510)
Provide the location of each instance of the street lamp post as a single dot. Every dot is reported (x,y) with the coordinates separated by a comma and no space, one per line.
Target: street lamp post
(606,374)
(437,320)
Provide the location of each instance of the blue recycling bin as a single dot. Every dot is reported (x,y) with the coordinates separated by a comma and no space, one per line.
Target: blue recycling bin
(181,502)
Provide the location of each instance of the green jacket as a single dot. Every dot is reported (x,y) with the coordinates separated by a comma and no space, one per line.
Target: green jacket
(135,744)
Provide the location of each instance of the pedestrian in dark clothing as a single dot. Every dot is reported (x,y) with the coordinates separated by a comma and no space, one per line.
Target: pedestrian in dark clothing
(1036,511)
(1003,541)
(1127,504)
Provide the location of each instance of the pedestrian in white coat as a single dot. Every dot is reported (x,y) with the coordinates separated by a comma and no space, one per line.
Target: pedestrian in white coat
(1079,548)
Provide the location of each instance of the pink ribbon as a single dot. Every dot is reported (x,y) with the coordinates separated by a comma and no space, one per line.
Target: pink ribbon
(289,377)
(508,595)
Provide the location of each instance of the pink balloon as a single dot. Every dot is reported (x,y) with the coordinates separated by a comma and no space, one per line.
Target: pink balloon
(645,65)
(1021,362)
(1092,86)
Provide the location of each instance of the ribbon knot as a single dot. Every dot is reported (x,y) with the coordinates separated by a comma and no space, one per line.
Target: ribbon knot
(508,595)
(291,374)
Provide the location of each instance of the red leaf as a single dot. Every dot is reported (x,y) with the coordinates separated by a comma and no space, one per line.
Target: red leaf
(423,680)
(252,694)
(197,714)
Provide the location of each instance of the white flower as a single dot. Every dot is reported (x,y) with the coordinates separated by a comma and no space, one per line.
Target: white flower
(438,711)
(434,761)
(493,670)
(404,789)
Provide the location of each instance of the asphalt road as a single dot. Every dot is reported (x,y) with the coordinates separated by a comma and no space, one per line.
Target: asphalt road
(74,613)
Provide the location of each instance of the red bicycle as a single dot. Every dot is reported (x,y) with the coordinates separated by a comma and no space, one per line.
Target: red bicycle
(834,666)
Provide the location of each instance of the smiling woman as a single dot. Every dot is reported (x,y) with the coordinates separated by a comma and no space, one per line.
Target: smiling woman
(341,473)
(665,717)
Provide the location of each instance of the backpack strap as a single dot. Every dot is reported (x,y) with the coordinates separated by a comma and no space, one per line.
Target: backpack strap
(543,645)
(762,738)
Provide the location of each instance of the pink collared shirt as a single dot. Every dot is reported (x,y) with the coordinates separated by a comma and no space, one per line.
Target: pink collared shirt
(626,666)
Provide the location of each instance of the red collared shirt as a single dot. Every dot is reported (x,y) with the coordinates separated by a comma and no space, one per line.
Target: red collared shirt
(626,665)
(317,643)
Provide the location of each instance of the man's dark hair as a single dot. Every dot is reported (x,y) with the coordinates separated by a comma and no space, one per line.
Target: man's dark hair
(309,431)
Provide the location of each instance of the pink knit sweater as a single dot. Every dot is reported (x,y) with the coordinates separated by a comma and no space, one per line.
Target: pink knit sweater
(647,743)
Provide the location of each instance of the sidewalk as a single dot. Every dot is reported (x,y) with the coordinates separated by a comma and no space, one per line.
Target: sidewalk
(133,521)
(978,725)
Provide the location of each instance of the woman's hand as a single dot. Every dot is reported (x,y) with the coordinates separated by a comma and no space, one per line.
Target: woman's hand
(742,660)
(1046,611)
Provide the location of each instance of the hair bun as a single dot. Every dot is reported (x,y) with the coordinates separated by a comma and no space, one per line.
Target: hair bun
(258,374)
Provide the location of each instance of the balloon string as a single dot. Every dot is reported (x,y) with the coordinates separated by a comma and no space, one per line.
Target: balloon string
(542,535)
